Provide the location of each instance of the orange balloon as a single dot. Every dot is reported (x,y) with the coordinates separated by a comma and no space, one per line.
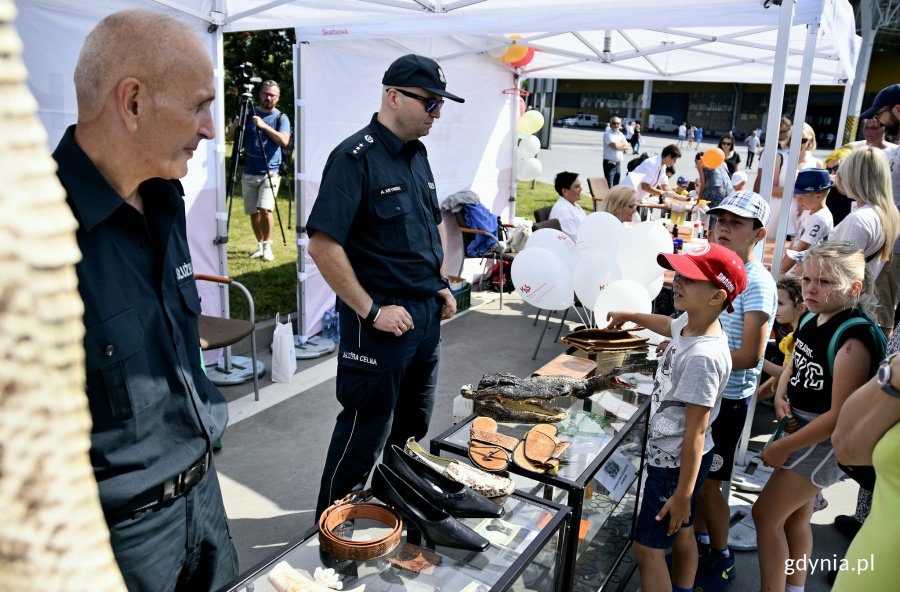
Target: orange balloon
(514,53)
(713,158)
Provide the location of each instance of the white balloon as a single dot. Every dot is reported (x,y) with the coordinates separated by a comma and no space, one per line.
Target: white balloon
(529,146)
(638,250)
(601,232)
(593,272)
(542,279)
(622,295)
(555,241)
(529,169)
(655,287)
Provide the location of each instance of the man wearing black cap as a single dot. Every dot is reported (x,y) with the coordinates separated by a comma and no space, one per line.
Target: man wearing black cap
(886,111)
(376,235)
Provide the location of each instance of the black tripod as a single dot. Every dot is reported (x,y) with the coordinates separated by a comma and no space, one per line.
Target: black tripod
(247,110)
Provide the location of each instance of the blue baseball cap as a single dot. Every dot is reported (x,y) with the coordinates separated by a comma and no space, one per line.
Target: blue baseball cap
(746,204)
(886,97)
(682,180)
(812,181)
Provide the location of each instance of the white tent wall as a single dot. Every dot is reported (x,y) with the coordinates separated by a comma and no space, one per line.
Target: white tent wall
(53,32)
(470,146)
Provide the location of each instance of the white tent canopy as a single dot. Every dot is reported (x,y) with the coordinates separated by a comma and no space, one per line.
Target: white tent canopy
(348,43)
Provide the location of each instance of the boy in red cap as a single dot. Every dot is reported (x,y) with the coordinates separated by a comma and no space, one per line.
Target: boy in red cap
(687,391)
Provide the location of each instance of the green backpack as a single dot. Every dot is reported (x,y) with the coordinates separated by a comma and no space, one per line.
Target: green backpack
(874,329)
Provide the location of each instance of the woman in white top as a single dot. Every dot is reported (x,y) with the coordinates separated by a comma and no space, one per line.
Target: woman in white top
(874,224)
(622,202)
(807,161)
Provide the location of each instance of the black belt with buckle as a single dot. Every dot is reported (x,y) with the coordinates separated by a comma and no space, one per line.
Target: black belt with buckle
(176,487)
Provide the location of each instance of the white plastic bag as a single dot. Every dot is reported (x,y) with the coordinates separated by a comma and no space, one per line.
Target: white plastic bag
(284,362)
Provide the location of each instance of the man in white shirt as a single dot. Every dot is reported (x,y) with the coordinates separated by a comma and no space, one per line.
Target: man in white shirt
(614,147)
(566,208)
(651,174)
(682,134)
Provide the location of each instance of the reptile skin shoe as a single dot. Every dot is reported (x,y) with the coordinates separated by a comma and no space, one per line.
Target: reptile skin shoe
(454,498)
(492,486)
(439,527)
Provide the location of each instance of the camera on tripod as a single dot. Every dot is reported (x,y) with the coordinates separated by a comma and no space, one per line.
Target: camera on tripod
(245,75)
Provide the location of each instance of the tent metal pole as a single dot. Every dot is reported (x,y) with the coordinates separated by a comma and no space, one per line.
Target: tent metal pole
(793,159)
(302,239)
(868,29)
(845,111)
(221,238)
(514,120)
(776,98)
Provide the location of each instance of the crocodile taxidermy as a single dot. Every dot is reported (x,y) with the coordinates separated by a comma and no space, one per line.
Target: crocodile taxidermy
(506,397)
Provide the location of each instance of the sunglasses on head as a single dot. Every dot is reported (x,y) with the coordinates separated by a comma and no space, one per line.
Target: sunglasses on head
(430,104)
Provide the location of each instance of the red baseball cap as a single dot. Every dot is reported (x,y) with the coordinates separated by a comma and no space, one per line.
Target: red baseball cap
(709,263)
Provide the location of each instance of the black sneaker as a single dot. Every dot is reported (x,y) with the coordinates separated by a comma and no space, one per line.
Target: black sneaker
(715,573)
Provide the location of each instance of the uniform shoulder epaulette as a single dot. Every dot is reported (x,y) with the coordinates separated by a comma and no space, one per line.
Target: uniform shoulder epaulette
(357,145)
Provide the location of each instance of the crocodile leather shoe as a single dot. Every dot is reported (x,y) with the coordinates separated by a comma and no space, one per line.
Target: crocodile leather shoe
(437,526)
(454,498)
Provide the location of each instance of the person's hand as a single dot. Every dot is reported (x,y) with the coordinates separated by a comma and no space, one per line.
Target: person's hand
(258,122)
(394,319)
(662,346)
(449,308)
(774,454)
(617,319)
(783,409)
(766,388)
(678,507)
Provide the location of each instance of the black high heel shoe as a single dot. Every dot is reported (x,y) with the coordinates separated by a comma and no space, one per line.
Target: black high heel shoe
(454,498)
(439,527)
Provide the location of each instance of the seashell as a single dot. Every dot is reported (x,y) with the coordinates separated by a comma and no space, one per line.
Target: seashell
(287,579)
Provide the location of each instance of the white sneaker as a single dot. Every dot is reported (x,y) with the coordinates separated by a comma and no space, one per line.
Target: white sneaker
(267,254)
(259,252)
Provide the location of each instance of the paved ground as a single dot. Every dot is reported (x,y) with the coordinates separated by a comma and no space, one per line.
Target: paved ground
(271,462)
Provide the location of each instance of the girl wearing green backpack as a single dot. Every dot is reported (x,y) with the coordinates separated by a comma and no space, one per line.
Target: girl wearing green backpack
(837,349)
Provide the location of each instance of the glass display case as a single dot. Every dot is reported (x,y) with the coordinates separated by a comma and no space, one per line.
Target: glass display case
(527,547)
(600,476)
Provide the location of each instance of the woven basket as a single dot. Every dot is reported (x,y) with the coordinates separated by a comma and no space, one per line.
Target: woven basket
(53,535)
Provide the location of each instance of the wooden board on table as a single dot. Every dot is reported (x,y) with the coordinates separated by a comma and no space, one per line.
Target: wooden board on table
(565,365)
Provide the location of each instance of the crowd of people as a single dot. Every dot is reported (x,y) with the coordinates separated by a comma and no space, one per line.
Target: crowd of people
(156,416)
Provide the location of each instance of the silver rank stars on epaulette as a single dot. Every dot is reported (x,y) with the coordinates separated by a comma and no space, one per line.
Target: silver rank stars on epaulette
(360,145)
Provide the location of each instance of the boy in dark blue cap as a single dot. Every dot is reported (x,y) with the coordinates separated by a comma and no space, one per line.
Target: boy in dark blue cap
(810,190)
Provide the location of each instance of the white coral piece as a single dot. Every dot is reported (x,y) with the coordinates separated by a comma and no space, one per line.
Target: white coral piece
(328,577)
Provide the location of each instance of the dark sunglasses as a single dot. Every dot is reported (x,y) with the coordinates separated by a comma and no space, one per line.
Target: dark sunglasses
(430,104)
(833,169)
(804,141)
(727,144)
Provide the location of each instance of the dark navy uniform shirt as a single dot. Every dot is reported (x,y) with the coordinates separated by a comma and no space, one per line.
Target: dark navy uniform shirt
(154,411)
(378,200)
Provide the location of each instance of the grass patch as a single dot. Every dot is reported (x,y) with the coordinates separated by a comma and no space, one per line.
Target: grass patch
(543,194)
(273,284)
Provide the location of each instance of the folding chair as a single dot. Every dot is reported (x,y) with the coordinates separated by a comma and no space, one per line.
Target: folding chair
(599,189)
(219,332)
(490,257)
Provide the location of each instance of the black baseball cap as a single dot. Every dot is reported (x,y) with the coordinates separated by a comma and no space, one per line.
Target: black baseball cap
(886,97)
(416,70)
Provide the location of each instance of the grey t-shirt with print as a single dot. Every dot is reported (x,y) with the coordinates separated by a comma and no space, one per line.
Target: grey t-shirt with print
(691,370)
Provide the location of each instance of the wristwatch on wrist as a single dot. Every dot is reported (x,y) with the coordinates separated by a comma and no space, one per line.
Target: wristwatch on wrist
(884,377)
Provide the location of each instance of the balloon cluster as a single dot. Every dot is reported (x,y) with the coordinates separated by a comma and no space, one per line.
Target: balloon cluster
(609,268)
(529,167)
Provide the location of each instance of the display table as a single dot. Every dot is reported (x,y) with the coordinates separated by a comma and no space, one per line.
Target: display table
(525,554)
(600,479)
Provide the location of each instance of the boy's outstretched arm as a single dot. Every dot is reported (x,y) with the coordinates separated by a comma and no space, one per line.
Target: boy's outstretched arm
(659,324)
(678,507)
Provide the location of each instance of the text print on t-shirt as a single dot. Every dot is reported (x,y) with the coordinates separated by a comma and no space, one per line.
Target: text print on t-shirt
(809,372)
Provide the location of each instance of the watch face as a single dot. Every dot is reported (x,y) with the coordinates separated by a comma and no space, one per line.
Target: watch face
(884,373)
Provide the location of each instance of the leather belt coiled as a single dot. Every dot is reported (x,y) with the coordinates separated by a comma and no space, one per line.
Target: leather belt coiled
(342,511)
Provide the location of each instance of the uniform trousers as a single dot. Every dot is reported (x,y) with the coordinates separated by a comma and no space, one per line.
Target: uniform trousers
(182,544)
(386,385)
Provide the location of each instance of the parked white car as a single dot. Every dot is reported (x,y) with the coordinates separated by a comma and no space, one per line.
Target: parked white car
(582,120)
(662,123)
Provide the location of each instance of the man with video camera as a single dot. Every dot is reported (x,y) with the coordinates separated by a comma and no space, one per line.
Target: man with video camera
(259,183)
